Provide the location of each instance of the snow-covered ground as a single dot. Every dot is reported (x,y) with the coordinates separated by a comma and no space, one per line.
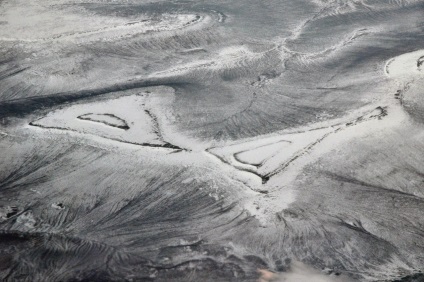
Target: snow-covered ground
(211,140)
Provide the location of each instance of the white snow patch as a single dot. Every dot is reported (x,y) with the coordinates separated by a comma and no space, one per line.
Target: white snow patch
(406,66)
(270,152)
(129,109)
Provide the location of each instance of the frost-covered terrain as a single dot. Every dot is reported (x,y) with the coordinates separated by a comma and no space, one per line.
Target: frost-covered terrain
(213,140)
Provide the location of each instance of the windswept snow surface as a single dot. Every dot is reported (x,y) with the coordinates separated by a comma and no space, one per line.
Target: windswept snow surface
(211,140)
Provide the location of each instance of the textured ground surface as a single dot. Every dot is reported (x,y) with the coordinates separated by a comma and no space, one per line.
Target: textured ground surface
(204,140)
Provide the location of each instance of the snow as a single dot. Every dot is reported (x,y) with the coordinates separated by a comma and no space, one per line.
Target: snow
(142,128)
(76,24)
(405,66)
